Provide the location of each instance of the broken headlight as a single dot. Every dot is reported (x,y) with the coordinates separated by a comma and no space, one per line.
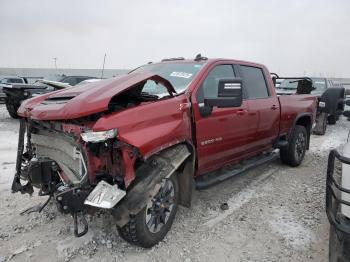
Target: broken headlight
(99,136)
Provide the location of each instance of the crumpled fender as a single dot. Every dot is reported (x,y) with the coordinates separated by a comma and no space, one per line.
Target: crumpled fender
(151,127)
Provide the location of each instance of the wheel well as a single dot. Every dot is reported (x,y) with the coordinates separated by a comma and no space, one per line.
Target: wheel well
(186,176)
(185,172)
(305,121)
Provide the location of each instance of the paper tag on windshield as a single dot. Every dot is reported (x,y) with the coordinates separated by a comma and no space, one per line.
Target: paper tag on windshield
(181,74)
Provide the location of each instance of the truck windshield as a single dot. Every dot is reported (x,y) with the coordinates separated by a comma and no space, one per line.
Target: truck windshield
(289,84)
(180,75)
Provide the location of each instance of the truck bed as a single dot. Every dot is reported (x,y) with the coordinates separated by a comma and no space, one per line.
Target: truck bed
(293,106)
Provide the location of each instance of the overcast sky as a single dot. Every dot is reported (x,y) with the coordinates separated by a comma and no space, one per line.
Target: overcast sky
(290,37)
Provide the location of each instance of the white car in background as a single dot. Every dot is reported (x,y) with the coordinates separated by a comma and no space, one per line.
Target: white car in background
(338,201)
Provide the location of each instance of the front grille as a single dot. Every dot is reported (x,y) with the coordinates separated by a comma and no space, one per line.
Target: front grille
(63,150)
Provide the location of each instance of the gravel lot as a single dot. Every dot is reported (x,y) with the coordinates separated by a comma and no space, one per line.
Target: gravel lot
(276,213)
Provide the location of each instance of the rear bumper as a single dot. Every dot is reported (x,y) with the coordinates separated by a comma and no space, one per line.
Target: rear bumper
(334,201)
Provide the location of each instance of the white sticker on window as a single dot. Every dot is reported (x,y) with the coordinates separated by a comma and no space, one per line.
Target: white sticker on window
(232,86)
(181,74)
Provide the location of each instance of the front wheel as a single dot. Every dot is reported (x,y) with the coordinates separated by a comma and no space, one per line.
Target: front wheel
(152,223)
(294,154)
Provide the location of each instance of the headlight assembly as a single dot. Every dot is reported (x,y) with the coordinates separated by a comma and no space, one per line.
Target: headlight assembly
(99,136)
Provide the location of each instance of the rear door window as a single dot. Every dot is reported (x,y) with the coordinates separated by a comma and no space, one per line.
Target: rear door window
(254,82)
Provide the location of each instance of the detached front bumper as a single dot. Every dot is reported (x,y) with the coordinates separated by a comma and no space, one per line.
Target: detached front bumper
(334,191)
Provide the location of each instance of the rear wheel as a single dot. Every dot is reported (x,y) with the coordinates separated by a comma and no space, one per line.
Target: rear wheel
(294,154)
(12,108)
(152,223)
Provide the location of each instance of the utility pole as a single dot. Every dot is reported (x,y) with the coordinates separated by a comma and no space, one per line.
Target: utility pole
(55,61)
(103,66)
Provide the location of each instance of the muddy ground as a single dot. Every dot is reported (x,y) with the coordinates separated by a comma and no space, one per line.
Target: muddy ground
(276,213)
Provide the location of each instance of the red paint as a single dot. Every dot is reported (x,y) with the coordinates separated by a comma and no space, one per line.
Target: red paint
(228,135)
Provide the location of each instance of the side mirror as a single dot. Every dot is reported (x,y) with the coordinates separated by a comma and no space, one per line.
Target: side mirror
(229,94)
(347,102)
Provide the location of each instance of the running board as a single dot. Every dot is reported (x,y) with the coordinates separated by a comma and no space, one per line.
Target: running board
(214,178)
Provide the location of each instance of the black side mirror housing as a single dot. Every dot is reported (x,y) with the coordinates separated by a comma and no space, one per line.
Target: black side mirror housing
(347,102)
(229,94)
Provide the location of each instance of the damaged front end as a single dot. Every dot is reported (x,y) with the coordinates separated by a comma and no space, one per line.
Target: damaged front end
(109,147)
(84,170)
(78,168)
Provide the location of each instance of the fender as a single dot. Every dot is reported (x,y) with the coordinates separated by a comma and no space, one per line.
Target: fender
(148,180)
(308,126)
(151,127)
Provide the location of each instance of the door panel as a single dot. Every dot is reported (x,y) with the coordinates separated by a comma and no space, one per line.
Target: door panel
(222,136)
(267,114)
(264,107)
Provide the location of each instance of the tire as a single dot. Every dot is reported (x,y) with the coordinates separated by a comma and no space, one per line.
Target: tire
(294,154)
(12,108)
(321,124)
(137,232)
(332,120)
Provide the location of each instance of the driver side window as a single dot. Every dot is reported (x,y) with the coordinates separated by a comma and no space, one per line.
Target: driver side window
(209,87)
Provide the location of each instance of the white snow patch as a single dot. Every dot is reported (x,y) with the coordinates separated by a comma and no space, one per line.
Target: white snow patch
(238,200)
(8,152)
(284,223)
(335,136)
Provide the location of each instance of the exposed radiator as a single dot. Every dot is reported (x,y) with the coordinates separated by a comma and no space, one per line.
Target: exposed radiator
(63,150)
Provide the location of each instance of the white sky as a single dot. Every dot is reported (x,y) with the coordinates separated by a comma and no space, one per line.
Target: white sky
(289,37)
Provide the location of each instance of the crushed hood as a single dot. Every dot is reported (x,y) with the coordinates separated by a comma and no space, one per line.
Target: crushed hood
(84,100)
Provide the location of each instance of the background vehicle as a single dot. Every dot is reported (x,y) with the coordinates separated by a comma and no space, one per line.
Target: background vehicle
(16,93)
(6,81)
(139,154)
(338,203)
(330,94)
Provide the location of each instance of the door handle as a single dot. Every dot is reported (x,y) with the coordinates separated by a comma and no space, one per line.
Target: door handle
(241,112)
(274,107)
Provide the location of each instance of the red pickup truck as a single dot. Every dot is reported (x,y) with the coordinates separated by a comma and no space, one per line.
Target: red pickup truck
(137,144)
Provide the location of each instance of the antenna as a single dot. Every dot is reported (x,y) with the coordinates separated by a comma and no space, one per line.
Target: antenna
(103,66)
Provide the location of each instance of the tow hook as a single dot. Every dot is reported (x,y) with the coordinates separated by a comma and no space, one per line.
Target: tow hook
(83,222)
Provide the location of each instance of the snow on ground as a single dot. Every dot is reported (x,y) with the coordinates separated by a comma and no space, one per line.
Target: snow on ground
(276,213)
